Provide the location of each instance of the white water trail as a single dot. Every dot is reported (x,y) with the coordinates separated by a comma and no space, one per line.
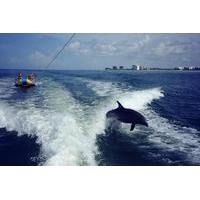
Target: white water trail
(67,130)
(161,132)
(57,124)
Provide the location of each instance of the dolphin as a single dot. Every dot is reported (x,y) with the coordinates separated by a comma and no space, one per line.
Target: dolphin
(126,115)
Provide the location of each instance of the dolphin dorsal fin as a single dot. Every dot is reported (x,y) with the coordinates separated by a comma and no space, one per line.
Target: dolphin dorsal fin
(119,105)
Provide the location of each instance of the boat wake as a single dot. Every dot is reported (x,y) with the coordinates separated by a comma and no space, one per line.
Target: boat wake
(67,129)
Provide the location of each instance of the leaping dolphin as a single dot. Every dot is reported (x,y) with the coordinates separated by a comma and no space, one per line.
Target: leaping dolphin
(126,115)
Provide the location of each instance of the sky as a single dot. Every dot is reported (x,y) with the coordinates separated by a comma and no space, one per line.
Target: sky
(100,50)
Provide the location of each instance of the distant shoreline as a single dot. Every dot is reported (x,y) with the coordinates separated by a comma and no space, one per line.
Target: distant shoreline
(103,70)
(171,70)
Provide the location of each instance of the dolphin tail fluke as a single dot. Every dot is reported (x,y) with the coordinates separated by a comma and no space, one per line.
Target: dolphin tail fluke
(132,126)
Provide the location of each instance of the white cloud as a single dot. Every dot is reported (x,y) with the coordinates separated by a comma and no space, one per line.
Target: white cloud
(105,49)
(165,49)
(75,45)
(38,58)
(115,48)
(145,39)
(79,48)
(85,51)
(123,47)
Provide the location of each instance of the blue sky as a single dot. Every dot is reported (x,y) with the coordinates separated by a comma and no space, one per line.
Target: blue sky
(97,51)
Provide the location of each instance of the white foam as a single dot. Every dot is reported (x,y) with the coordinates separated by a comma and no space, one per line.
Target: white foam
(58,126)
(136,99)
(102,88)
(67,130)
(173,138)
(165,135)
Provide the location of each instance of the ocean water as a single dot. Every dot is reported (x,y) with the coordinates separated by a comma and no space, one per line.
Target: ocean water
(62,121)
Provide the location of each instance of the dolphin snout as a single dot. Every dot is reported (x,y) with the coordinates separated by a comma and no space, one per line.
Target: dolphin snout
(146,124)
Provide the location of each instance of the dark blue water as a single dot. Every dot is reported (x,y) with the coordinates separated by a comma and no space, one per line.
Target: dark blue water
(62,120)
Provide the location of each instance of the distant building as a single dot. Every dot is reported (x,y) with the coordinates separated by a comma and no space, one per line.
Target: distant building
(134,67)
(191,68)
(107,68)
(180,68)
(186,68)
(140,67)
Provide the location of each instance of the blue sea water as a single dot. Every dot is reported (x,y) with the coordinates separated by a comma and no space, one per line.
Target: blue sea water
(62,121)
